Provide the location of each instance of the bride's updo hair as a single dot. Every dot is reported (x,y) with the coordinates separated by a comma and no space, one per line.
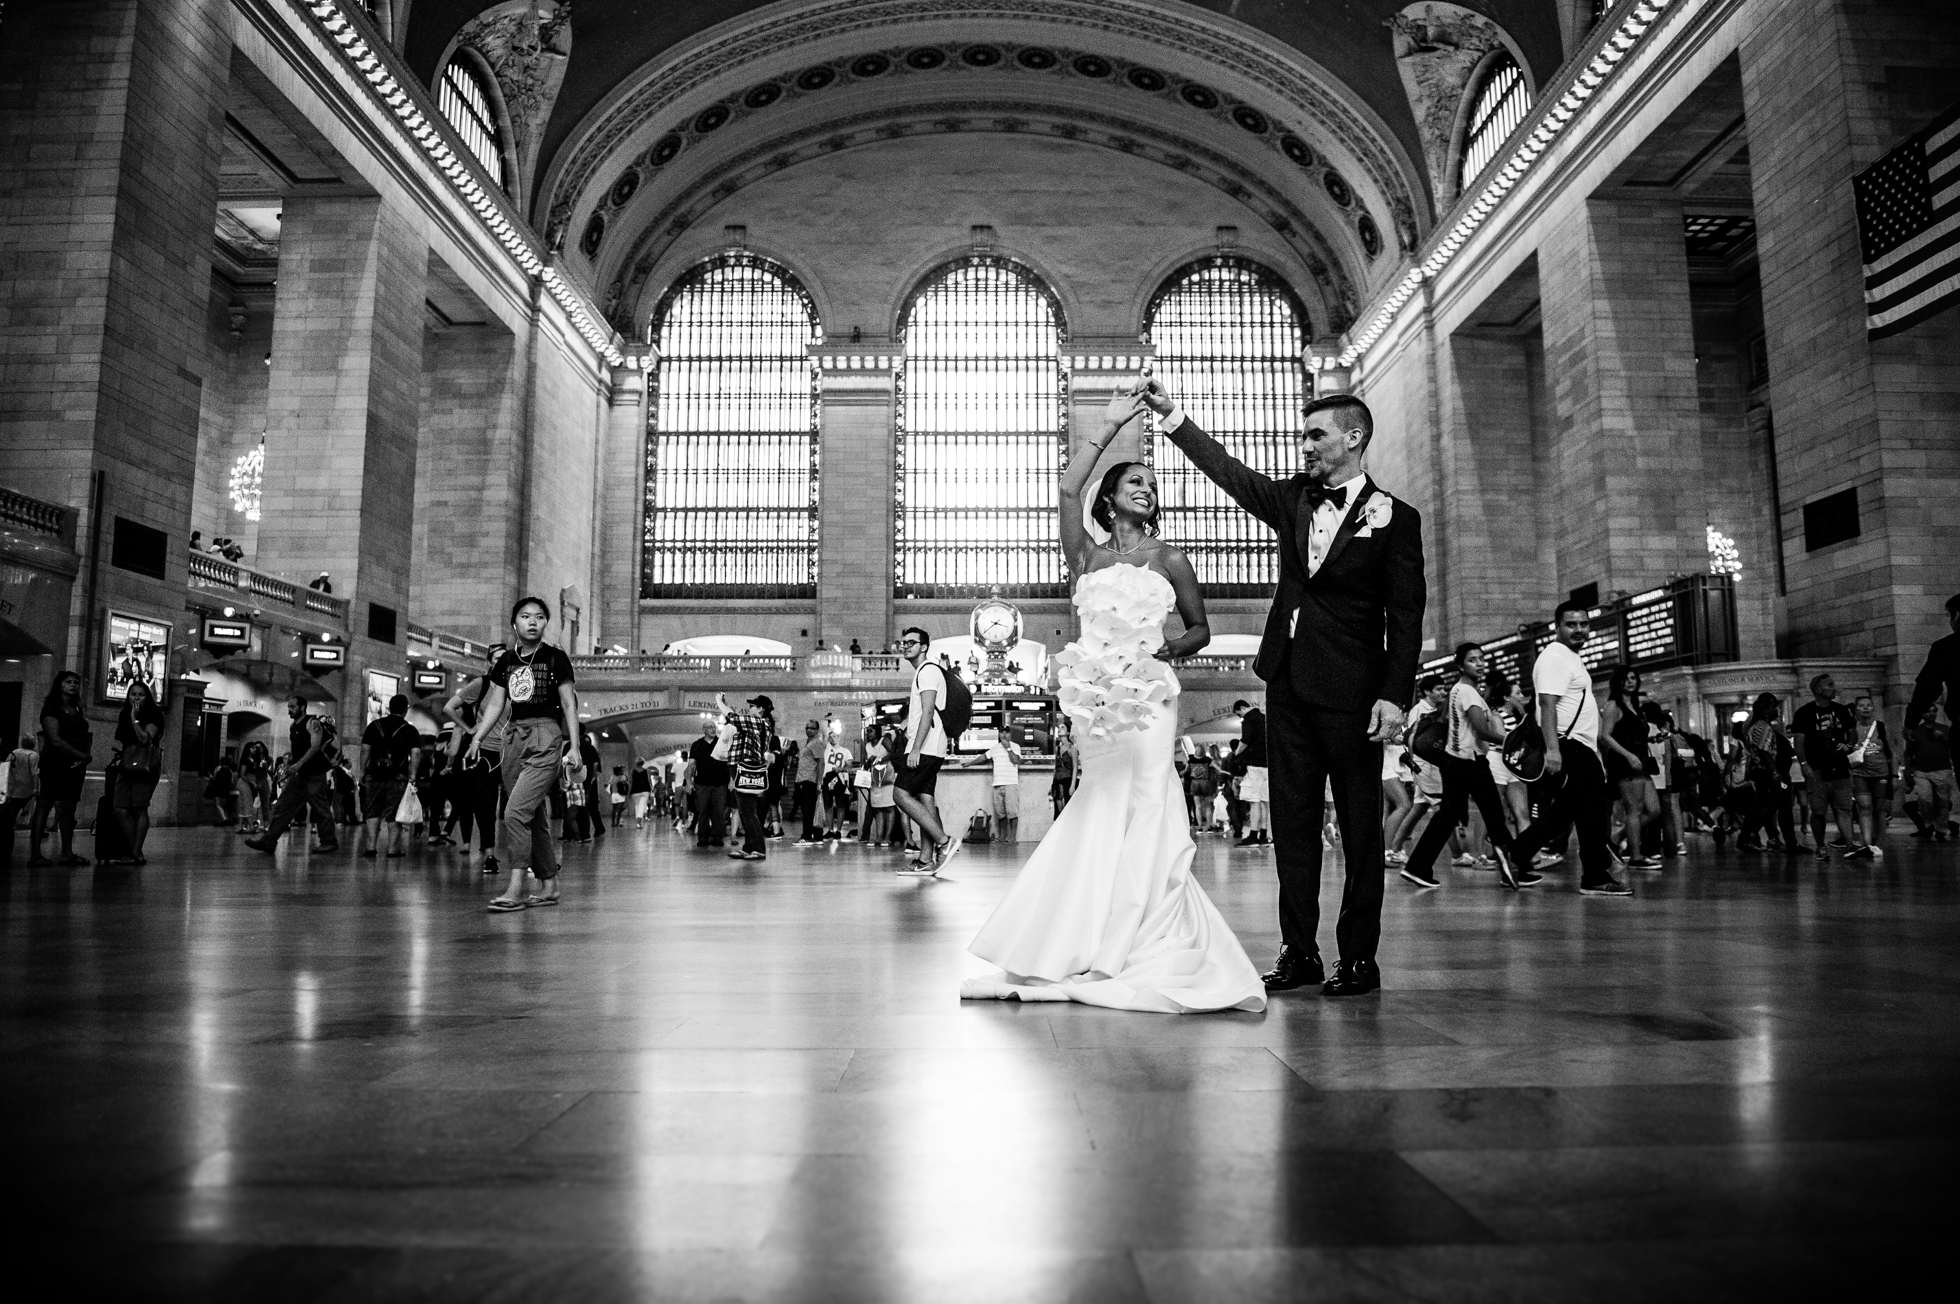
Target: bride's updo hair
(1103,510)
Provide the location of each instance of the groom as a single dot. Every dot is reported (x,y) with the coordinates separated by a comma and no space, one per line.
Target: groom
(1339,661)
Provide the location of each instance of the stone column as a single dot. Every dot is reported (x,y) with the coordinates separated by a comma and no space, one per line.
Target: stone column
(1498,576)
(1829,86)
(346,390)
(110,143)
(856,495)
(467,483)
(1619,345)
(622,506)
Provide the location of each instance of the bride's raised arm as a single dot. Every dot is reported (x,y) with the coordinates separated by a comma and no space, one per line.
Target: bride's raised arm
(1124,407)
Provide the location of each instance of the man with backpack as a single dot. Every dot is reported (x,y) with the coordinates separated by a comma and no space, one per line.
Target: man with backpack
(935,714)
(313,752)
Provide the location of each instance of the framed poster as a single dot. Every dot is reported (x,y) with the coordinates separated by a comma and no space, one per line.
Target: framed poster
(380,687)
(137,649)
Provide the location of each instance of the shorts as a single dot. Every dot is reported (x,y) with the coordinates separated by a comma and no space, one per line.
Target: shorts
(921,780)
(1832,794)
(1429,782)
(640,805)
(1255,786)
(1499,771)
(1007,801)
(131,789)
(1391,760)
(381,795)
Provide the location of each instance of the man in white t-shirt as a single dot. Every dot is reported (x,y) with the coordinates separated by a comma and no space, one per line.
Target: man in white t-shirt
(925,752)
(1007,790)
(1569,714)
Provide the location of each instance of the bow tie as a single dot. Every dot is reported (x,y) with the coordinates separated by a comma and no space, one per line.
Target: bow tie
(1318,494)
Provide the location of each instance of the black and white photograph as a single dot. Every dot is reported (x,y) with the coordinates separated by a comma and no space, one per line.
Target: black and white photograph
(980,651)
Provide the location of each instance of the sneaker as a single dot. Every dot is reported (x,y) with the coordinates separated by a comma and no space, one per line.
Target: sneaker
(1878,853)
(1546,858)
(1464,861)
(1418,879)
(1483,862)
(808,842)
(1647,862)
(1821,853)
(913,869)
(1611,887)
(1528,879)
(1859,853)
(1396,857)
(1839,844)
(943,854)
(490,866)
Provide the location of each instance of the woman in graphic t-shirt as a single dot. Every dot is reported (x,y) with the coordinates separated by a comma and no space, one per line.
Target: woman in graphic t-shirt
(534,680)
(1466,777)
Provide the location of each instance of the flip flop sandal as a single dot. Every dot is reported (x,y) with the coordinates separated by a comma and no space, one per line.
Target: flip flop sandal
(535,900)
(504,906)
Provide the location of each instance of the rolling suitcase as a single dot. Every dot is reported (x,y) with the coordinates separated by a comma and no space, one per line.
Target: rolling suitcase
(110,844)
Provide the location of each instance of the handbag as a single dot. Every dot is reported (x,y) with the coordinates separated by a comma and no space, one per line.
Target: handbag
(1431,738)
(861,779)
(751,781)
(1857,756)
(142,758)
(1524,747)
(409,811)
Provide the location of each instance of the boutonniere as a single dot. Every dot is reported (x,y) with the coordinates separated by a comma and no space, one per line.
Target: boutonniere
(1375,514)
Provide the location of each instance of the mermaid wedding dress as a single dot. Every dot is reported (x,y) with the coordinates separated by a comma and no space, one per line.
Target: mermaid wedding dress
(1106,911)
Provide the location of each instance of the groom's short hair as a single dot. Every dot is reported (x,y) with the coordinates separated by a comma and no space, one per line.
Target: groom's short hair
(1364,420)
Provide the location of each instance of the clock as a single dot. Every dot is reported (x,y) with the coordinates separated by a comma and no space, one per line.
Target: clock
(996,626)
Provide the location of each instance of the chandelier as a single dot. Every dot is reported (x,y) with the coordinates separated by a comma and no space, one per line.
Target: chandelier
(247,481)
(1723,558)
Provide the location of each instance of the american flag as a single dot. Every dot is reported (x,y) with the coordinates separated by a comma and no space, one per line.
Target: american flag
(1909,223)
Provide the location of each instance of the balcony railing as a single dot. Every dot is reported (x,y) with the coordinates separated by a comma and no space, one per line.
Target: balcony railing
(214,574)
(30,514)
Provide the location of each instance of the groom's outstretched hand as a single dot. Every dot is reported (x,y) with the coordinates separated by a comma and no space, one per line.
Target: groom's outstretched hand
(1155,396)
(1384,722)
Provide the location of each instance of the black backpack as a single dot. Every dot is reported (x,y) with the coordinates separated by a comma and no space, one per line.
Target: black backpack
(956,713)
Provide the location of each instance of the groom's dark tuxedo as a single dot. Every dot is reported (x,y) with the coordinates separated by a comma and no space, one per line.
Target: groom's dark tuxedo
(1340,637)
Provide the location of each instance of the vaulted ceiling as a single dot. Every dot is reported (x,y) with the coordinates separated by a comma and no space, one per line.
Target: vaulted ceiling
(1350,38)
(652,113)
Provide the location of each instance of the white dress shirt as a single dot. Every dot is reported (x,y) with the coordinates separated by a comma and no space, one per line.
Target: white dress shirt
(1327,520)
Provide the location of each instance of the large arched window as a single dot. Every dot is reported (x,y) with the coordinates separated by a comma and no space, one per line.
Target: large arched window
(1501,101)
(1228,335)
(731,506)
(465,101)
(981,440)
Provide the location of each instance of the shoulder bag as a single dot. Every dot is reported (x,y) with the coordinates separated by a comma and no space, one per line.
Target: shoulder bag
(1524,746)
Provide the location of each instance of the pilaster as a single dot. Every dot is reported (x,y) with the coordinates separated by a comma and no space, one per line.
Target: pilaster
(622,505)
(856,493)
(1619,346)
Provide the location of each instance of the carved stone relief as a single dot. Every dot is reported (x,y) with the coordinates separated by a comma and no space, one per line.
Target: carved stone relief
(527,45)
(1437,48)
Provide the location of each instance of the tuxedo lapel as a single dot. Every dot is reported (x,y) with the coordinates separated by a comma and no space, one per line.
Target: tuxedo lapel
(1349,524)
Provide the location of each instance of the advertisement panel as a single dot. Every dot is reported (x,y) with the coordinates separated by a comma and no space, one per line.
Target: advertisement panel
(137,649)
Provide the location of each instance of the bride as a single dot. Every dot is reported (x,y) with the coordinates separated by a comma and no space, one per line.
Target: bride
(1106,911)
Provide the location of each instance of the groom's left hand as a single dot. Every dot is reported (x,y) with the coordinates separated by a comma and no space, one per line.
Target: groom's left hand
(1384,722)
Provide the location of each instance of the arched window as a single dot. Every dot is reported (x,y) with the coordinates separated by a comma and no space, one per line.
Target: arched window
(1228,334)
(465,101)
(981,440)
(1502,100)
(731,506)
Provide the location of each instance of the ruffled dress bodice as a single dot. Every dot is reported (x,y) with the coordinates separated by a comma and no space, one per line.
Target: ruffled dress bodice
(1111,680)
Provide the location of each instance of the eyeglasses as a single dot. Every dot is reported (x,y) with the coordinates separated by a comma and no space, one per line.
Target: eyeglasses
(910,642)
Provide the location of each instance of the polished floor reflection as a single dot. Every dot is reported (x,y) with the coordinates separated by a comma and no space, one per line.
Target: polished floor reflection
(325,1078)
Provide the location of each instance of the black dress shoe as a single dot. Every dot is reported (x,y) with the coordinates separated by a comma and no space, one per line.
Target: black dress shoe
(1293,968)
(1353,978)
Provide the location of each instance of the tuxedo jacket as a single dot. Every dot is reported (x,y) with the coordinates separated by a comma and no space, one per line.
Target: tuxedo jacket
(1359,632)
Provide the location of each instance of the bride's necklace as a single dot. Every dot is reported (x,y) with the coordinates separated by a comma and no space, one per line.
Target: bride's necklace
(1124,552)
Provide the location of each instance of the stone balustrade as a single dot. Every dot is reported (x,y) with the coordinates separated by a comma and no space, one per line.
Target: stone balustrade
(212,573)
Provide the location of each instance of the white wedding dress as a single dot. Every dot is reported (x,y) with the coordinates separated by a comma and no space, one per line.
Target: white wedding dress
(1106,911)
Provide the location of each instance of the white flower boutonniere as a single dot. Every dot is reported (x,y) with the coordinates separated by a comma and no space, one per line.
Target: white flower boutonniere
(1375,514)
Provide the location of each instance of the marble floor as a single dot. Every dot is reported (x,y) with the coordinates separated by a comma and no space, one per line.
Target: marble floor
(325,1078)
